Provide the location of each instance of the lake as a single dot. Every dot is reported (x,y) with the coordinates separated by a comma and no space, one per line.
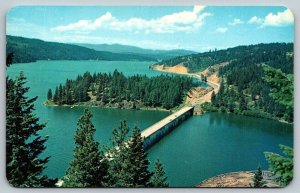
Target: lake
(201,147)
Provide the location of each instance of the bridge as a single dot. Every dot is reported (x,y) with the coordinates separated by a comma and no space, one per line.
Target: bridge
(156,132)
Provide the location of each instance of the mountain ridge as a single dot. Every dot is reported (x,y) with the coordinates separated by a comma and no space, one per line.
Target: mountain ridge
(129,49)
(30,50)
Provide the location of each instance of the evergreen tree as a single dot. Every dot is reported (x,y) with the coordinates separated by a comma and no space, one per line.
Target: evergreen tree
(55,97)
(138,160)
(258,181)
(129,164)
(158,179)
(89,167)
(49,94)
(282,86)
(119,174)
(282,165)
(24,144)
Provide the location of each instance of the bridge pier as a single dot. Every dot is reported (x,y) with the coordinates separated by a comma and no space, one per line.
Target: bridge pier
(160,129)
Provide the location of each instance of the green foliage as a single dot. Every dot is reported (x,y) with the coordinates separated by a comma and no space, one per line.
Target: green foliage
(119,165)
(49,94)
(129,164)
(24,144)
(262,52)
(282,165)
(282,86)
(138,160)
(160,91)
(30,50)
(258,181)
(158,179)
(245,87)
(89,167)
(9,59)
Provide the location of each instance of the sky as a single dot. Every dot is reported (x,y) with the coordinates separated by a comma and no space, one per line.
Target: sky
(197,28)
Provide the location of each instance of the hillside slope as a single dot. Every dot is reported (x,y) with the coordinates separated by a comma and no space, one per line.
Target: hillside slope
(30,50)
(201,61)
(125,49)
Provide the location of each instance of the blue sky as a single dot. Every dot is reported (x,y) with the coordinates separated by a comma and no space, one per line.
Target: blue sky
(196,28)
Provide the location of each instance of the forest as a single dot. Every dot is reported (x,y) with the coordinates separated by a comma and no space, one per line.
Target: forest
(27,50)
(117,90)
(258,53)
(244,88)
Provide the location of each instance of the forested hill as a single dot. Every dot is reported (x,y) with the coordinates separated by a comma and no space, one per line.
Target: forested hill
(125,49)
(243,89)
(30,50)
(257,53)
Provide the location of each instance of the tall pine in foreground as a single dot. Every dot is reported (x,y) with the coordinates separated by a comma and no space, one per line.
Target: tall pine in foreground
(119,164)
(158,179)
(24,165)
(138,160)
(129,164)
(89,167)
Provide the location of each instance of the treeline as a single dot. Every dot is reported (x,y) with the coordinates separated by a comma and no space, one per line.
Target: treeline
(244,89)
(124,166)
(104,89)
(260,52)
(30,50)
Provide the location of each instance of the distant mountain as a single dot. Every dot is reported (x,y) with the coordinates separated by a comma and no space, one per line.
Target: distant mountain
(125,49)
(30,50)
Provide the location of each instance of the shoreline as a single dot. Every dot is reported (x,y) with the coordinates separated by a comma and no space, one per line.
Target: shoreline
(107,107)
(239,179)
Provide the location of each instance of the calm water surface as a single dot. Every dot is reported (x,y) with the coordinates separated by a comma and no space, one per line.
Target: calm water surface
(201,147)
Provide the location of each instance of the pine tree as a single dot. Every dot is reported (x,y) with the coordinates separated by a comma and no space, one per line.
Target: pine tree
(24,144)
(119,165)
(158,179)
(138,160)
(49,95)
(258,181)
(129,164)
(55,97)
(282,86)
(282,165)
(89,167)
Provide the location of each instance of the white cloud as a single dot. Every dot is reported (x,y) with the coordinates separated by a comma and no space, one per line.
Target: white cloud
(222,30)
(279,19)
(236,22)
(185,21)
(255,20)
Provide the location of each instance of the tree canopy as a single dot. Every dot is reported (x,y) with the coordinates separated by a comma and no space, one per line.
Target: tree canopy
(24,144)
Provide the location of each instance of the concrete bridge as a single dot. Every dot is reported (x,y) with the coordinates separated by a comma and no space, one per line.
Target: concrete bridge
(160,129)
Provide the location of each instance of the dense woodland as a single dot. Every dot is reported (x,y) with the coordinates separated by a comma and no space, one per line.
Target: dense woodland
(30,50)
(244,89)
(117,90)
(252,53)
